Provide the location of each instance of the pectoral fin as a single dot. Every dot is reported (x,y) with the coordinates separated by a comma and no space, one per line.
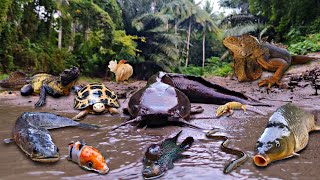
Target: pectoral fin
(295,154)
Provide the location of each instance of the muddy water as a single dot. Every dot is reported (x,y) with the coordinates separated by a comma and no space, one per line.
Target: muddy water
(125,147)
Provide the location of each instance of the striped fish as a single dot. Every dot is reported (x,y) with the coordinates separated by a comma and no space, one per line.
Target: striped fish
(287,133)
(87,157)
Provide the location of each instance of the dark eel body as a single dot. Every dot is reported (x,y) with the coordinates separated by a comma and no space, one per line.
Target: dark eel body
(31,134)
(199,90)
(243,157)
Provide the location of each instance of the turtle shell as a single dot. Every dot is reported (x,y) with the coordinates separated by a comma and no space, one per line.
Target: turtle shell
(95,93)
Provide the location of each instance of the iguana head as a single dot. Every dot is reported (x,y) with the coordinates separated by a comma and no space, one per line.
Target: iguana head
(245,49)
(241,46)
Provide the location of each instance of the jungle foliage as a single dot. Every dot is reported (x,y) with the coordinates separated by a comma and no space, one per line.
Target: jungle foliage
(179,35)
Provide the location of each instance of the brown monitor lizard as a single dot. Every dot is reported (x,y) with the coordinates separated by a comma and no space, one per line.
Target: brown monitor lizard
(251,56)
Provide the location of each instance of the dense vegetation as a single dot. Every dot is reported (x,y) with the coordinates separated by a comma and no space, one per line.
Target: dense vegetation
(179,35)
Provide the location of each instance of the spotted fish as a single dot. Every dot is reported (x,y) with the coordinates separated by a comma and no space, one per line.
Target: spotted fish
(31,134)
(287,133)
(159,157)
(87,157)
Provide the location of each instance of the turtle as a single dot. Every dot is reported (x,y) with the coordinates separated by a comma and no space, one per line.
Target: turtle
(55,86)
(95,98)
(158,104)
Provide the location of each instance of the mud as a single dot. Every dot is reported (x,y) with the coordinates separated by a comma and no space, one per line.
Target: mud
(125,147)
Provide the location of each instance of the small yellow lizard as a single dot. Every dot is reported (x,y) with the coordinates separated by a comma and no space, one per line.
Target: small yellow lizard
(230,106)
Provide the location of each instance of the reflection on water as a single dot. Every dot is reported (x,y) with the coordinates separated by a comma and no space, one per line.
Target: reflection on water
(124,149)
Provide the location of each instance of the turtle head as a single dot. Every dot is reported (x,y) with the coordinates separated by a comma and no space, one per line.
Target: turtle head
(99,107)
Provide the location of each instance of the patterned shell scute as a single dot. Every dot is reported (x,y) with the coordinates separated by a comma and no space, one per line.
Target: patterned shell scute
(95,93)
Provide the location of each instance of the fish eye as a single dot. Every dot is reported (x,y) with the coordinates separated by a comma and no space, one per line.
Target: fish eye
(277,143)
(90,164)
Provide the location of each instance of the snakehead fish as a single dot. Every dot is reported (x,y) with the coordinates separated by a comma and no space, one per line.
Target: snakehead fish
(31,134)
(87,157)
(198,90)
(287,133)
(159,157)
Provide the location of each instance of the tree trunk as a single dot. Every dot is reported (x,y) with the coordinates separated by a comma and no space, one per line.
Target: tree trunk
(188,43)
(203,49)
(60,37)
(86,34)
(73,32)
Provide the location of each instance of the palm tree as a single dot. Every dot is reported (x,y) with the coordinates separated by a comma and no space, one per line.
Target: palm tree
(183,11)
(160,45)
(206,25)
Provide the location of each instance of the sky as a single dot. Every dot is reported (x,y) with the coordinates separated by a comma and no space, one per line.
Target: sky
(216,6)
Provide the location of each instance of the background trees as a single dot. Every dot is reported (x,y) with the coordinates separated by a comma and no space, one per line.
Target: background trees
(178,35)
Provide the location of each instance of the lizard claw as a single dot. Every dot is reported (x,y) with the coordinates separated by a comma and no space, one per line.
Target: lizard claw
(270,82)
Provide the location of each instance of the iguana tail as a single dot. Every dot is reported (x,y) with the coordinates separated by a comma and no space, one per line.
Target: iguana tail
(15,80)
(299,59)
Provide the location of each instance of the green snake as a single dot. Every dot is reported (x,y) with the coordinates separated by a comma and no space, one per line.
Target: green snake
(243,157)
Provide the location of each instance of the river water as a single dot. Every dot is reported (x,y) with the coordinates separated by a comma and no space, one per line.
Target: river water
(125,147)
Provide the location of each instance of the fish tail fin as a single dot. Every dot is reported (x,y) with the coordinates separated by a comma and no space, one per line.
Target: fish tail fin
(186,143)
(88,126)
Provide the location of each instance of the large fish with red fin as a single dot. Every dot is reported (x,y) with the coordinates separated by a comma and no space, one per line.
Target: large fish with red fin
(287,133)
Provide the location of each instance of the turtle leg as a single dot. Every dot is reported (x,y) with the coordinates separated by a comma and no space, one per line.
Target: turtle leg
(43,91)
(137,119)
(26,90)
(113,110)
(81,115)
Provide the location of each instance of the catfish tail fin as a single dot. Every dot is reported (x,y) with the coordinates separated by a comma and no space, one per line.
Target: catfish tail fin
(187,143)
(299,59)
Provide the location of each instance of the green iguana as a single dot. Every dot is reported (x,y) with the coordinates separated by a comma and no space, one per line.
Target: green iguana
(251,56)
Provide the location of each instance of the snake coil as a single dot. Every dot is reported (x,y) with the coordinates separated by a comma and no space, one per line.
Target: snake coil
(243,157)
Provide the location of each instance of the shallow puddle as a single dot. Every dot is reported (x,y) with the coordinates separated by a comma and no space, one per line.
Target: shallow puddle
(125,147)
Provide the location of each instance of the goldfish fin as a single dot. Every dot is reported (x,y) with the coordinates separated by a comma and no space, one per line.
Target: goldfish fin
(8,140)
(295,154)
(187,143)
(72,142)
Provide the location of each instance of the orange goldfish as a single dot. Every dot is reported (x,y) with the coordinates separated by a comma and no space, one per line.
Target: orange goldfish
(121,70)
(87,157)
